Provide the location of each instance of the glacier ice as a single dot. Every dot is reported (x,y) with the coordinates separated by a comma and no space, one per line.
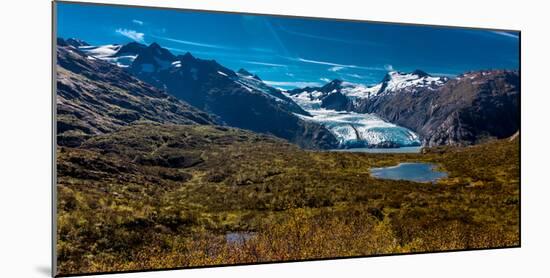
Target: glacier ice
(356,129)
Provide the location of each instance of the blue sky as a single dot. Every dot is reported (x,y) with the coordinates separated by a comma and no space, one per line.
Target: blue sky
(294,52)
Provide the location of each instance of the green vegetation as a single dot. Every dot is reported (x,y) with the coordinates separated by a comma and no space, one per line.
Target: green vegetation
(161,196)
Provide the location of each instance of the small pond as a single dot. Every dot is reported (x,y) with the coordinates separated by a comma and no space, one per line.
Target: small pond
(238,238)
(417,172)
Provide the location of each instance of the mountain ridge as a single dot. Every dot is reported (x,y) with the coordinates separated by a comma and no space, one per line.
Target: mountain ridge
(470,108)
(236,100)
(95,97)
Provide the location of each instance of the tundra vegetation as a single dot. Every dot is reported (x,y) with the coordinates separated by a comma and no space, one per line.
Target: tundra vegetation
(151,196)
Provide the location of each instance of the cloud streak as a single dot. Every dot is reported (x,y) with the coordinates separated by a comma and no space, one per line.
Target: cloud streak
(294,84)
(324,38)
(335,66)
(138,22)
(505,34)
(131,34)
(264,64)
(192,43)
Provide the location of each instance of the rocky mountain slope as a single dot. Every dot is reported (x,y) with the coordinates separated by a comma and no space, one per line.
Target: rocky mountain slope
(471,108)
(238,99)
(96,97)
(464,110)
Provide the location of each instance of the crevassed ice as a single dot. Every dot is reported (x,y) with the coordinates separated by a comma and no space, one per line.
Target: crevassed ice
(354,129)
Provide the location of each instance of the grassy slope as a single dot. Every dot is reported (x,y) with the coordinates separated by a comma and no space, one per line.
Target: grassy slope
(152,196)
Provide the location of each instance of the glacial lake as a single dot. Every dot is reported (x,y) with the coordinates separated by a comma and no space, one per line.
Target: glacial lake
(380,150)
(417,172)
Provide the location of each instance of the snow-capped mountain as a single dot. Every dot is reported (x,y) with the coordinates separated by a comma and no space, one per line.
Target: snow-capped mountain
(409,82)
(238,99)
(342,95)
(95,97)
(440,110)
(350,128)
(108,53)
(146,60)
(403,109)
(336,105)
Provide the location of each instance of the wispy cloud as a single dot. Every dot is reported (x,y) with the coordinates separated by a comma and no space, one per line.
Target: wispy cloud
(506,34)
(262,50)
(336,68)
(138,22)
(264,64)
(355,75)
(389,68)
(325,38)
(293,84)
(192,43)
(324,79)
(131,34)
(323,63)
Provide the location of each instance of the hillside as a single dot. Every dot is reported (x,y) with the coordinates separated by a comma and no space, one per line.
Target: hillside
(95,97)
(236,98)
(464,110)
(157,196)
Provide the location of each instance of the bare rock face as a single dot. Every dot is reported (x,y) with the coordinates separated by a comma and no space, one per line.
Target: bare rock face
(238,99)
(471,108)
(95,97)
(98,93)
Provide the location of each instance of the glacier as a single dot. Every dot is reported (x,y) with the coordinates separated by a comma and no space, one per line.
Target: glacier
(355,130)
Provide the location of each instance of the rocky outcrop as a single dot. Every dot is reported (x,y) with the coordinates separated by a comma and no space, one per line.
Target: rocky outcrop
(96,97)
(466,110)
(240,100)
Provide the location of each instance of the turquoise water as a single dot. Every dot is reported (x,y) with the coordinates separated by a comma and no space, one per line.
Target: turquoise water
(417,172)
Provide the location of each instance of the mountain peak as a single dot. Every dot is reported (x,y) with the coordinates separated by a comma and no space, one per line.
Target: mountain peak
(76,42)
(244,72)
(332,85)
(155,50)
(335,82)
(186,57)
(132,48)
(420,73)
(154,45)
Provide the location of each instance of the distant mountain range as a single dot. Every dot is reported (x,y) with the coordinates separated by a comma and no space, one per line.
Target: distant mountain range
(95,97)
(464,110)
(237,99)
(403,109)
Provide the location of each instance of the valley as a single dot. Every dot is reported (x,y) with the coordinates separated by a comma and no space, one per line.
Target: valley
(171,201)
(167,161)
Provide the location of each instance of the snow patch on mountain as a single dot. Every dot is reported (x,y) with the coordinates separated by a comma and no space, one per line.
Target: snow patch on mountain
(398,81)
(355,90)
(108,53)
(251,83)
